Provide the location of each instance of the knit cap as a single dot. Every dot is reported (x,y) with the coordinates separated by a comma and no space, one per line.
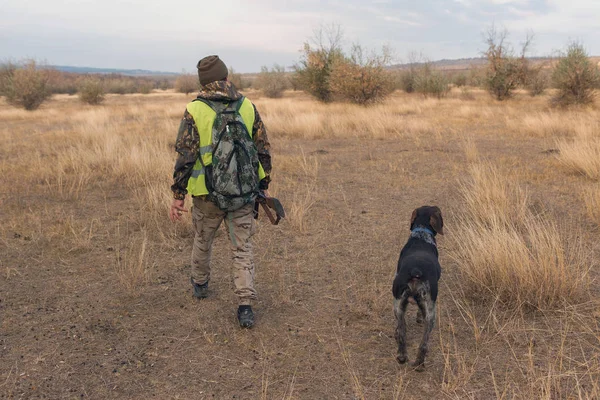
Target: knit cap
(211,69)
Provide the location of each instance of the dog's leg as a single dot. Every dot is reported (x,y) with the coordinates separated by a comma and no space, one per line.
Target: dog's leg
(427,307)
(419,316)
(399,310)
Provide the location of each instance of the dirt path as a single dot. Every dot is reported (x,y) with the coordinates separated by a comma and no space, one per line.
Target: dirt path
(324,320)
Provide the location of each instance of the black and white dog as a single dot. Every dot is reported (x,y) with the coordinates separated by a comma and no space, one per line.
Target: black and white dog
(417,278)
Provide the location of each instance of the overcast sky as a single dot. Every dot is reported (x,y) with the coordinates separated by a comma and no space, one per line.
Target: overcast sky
(173,35)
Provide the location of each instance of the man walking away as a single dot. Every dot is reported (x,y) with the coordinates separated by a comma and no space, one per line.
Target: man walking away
(223,161)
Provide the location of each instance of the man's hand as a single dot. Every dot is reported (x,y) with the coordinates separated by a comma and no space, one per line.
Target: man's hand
(176,210)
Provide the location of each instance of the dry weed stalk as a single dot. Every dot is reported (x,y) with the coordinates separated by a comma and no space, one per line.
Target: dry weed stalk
(132,265)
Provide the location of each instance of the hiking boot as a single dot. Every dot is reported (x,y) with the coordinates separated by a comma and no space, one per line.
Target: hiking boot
(245,316)
(200,291)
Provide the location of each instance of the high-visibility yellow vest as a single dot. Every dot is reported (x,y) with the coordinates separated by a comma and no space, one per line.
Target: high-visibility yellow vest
(204,117)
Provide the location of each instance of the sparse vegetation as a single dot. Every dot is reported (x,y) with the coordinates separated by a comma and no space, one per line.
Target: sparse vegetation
(575,76)
(85,194)
(460,80)
(187,83)
(91,90)
(272,81)
(431,82)
(505,71)
(319,56)
(237,80)
(362,78)
(537,81)
(26,86)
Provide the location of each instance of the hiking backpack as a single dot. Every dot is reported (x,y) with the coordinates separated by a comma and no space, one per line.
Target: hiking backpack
(232,177)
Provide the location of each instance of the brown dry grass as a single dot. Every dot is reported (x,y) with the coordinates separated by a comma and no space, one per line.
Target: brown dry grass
(94,282)
(511,253)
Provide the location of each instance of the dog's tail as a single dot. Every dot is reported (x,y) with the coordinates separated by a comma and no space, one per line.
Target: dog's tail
(415,279)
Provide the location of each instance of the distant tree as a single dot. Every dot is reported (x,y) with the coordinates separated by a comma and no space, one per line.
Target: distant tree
(505,71)
(319,55)
(187,83)
(27,85)
(362,78)
(91,90)
(272,82)
(575,76)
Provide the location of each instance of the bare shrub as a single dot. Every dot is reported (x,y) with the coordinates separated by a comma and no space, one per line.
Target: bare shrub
(476,76)
(294,80)
(146,87)
(506,251)
(236,79)
(537,81)
(319,55)
(26,86)
(186,83)
(61,82)
(7,71)
(431,82)
(272,82)
(408,80)
(362,78)
(460,80)
(505,71)
(118,84)
(575,76)
(91,90)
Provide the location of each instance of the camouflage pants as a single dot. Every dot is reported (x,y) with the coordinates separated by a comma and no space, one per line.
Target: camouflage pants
(240,224)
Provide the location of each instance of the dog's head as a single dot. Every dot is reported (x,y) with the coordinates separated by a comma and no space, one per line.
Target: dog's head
(429,217)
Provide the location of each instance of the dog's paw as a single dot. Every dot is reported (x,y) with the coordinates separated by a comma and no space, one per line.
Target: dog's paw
(402,358)
(419,366)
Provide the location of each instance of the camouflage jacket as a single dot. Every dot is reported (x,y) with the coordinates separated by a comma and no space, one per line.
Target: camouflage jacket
(188,138)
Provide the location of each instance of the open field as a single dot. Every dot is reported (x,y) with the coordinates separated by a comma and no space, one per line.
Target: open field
(95,299)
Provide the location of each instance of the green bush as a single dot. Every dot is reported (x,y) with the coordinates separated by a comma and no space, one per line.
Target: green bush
(431,82)
(408,80)
(7,71)
(575,76)
(91,90)
(26,86)
(460,80)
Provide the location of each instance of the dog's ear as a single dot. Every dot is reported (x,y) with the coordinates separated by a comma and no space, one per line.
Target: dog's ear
(436,221)
(412,219)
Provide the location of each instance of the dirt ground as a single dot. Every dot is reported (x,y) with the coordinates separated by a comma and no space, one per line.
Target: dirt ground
(70,328)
